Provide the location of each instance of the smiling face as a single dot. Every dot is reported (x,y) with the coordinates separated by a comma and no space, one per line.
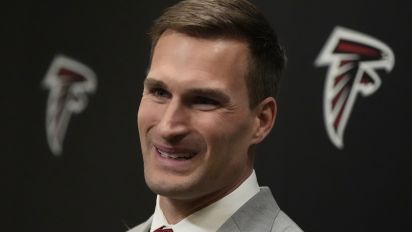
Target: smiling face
(194,120)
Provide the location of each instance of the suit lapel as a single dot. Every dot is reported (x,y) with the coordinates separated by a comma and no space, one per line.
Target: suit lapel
(258,214)
(229,226)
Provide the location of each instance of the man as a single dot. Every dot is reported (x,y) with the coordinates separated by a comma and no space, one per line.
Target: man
(208,100)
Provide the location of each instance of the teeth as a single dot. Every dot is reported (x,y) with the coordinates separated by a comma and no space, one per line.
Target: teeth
(175,155)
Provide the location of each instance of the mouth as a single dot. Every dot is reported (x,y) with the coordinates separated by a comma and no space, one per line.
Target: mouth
(175,154)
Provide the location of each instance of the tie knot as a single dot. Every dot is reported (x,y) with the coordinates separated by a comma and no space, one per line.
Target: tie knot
(161,229)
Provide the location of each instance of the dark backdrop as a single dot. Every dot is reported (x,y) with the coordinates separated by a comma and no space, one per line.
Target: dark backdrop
(97,183)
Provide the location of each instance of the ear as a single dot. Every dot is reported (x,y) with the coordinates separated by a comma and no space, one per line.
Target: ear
(265,114)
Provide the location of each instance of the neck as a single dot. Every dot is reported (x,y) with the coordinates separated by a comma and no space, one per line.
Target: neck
(176,210)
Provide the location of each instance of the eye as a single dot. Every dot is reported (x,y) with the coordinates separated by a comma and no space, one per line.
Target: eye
(160,93)
(205,103)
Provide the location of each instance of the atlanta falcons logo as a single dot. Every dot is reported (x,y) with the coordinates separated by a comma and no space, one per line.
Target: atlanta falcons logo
(353,59)
(69,82)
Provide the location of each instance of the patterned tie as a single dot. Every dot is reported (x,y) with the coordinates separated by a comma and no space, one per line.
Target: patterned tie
(163,230)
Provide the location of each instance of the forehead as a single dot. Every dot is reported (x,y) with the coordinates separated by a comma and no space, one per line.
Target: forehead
(181,57)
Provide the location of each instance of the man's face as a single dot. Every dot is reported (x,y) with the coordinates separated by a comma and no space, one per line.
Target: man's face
(194,120)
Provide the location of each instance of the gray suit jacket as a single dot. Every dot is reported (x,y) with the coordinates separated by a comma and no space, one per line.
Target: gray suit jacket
(261,214)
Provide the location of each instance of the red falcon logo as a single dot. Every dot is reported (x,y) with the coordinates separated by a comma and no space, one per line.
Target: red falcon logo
(69,83)
(353,59)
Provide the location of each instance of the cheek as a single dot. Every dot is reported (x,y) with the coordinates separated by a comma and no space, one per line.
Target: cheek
(140,117)
(226,134)
(146,115)
(146,119)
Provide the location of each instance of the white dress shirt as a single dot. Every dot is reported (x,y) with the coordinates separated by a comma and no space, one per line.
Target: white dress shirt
(212,216)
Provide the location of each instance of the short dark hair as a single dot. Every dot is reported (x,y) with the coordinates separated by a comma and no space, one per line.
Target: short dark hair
(233,19)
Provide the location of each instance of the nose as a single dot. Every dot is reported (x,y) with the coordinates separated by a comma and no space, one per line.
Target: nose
(173,125)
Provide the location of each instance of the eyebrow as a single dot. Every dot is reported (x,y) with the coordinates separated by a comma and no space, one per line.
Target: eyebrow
(153,83)
(217,94)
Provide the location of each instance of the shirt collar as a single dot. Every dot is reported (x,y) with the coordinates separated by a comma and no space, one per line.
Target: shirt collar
(212,216)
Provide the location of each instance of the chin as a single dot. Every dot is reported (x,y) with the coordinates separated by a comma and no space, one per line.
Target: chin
(176,189)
